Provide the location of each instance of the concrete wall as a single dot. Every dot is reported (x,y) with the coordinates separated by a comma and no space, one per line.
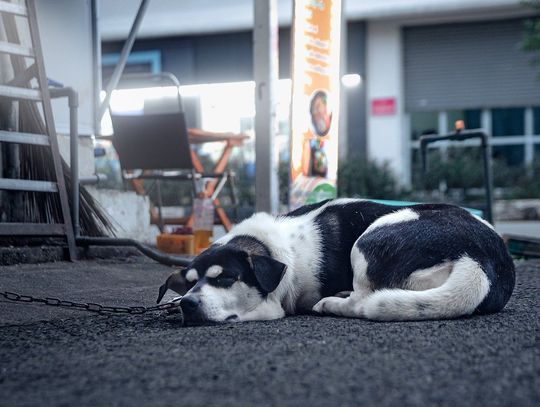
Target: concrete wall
(66,37)
(66,41)
(86,154)
(384,79)
(129,212)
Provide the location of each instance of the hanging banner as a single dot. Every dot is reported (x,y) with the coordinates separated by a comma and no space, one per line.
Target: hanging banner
(315,101)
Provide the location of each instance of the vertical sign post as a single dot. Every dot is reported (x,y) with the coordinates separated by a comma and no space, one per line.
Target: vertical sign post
(265,66)
(315,100)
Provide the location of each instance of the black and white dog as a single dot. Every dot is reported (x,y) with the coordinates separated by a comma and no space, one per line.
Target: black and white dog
(352,258)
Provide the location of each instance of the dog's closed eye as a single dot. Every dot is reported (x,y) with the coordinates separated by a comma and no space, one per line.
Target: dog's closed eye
(223,281)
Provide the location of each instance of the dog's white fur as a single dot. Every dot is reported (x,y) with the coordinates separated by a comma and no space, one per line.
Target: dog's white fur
(214,271)
(191,275)
(299,286)
(403,215)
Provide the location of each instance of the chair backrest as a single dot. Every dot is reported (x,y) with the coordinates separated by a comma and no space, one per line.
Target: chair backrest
(155,137)
(152,141)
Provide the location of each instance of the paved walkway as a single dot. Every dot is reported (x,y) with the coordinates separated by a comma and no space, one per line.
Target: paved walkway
(55,357)
(519,228)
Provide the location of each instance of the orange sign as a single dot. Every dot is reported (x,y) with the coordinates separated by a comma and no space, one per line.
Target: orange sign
(315,100)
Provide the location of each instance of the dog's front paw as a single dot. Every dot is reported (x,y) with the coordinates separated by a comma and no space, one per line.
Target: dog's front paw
(319,308)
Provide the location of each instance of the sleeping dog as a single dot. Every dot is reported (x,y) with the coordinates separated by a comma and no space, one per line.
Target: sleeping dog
(351,258)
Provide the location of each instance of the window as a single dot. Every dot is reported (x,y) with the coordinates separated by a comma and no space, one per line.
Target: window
(515,144)
(536,121)
(508,122)
(512,155)
(424,123)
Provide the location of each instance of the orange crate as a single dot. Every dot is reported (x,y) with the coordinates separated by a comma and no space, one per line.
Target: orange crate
(176,244)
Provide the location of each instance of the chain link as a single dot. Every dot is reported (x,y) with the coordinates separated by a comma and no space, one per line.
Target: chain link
(172,306)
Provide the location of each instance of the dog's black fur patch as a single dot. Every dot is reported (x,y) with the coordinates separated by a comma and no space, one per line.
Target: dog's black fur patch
(250,245)
(442,232)
(306,209)
(268,272)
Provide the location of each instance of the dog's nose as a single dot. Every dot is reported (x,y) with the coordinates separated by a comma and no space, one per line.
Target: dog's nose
(189,303)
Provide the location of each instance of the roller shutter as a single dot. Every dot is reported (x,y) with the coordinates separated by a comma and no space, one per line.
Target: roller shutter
(472,65)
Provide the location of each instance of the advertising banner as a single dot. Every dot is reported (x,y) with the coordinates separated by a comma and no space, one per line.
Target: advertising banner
(315,101)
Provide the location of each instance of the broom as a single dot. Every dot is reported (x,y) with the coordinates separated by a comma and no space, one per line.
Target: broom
(37,164)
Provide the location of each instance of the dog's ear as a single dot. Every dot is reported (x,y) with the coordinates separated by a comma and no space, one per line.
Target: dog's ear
(268,271)
(176,282)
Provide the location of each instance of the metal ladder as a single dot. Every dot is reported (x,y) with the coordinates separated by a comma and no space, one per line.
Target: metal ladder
(19,89)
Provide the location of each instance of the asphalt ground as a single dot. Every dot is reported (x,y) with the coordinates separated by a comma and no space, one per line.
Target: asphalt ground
(58,357)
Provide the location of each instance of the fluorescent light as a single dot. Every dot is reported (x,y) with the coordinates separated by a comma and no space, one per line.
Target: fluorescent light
(351,80)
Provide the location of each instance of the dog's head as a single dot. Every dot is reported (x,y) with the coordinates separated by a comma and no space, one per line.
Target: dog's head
(224,284)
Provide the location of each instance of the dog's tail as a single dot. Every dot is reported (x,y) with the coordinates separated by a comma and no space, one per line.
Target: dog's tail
(459,295)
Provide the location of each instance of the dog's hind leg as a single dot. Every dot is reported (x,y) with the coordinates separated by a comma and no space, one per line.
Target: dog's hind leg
(461,293)
(351,306)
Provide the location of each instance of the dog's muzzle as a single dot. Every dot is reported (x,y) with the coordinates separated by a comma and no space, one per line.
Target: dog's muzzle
(191,307)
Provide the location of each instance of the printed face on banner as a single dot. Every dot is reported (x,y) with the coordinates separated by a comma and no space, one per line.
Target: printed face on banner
(315,101)
(321,115)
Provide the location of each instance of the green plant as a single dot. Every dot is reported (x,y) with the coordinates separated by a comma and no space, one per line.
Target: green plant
(436,173)
(528,184)
(360,178)
(463,168)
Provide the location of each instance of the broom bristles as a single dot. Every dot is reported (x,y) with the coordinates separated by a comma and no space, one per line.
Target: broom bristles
(37,164)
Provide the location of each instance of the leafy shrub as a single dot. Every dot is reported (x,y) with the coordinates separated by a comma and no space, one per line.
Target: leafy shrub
(360,178)
(459,169)
(528,184)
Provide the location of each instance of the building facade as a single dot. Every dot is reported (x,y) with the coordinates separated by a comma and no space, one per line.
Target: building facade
(423,65)
(435,71)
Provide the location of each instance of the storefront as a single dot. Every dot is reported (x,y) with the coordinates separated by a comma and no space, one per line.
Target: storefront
(421,78)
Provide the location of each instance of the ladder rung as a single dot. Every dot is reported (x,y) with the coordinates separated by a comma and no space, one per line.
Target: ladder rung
(27,185)
(12,8)
(24,138)
(32,229)
(16,49)
(20,93)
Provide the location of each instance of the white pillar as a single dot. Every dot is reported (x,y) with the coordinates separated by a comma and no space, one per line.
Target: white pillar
(265,67)
(386,135)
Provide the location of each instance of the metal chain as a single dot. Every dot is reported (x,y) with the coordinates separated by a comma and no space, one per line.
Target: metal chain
(172,306)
